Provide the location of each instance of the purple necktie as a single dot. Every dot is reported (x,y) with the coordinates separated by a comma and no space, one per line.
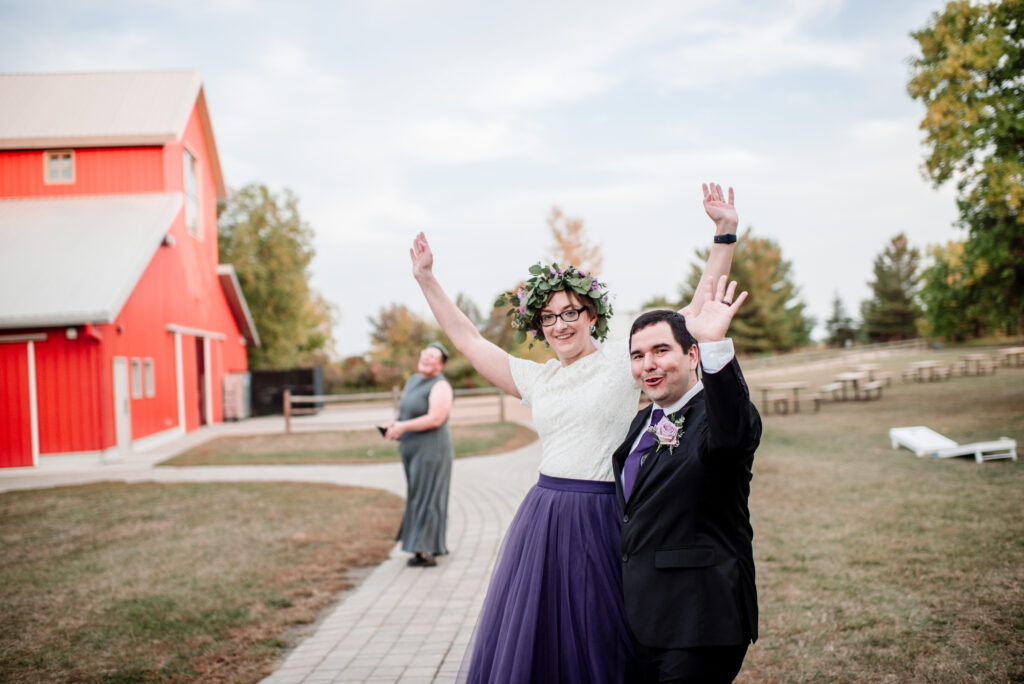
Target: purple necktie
(632,465)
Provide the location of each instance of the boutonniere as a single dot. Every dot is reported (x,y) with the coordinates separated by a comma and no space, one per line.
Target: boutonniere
(667,432)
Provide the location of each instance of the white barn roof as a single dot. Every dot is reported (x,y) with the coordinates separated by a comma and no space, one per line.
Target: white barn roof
(103,109)
(76,260)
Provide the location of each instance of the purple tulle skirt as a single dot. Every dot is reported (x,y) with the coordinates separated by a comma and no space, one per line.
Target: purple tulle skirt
(554,611)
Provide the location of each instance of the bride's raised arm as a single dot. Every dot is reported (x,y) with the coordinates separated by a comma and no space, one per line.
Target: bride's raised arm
(723,213)
(488,358)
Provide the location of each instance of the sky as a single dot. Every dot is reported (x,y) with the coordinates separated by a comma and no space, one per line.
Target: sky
(469,121)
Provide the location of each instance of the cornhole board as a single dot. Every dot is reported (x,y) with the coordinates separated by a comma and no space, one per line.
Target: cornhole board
(924,441)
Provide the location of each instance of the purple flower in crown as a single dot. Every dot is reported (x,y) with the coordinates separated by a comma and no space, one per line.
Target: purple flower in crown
(522,295)
(534,333)
(582,274)
(593,283)
(667,432)
(522,309)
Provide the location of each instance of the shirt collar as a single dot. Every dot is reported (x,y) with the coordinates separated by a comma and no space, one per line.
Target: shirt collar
(681,402)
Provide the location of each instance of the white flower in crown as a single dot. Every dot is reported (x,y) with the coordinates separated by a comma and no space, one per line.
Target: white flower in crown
(667,432)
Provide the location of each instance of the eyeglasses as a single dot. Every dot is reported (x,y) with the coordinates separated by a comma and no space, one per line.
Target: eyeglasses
(548,319)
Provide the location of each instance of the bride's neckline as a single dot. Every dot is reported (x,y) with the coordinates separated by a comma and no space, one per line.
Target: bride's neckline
(593,350)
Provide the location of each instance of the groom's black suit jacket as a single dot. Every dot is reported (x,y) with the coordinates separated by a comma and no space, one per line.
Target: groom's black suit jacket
(687,556)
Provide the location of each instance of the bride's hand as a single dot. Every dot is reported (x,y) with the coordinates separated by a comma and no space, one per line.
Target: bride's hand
(721,212)
(422,257)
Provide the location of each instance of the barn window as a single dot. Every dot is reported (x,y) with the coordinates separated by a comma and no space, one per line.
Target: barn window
(136,379)
(150,380)
(191,194)
(59,167)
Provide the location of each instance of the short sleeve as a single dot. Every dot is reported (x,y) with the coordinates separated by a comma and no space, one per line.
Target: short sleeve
(524,374)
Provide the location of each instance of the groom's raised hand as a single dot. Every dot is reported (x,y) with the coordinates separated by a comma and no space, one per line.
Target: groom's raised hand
(722,212)
(716,312)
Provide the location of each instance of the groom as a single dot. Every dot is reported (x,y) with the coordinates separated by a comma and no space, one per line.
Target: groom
(687,559)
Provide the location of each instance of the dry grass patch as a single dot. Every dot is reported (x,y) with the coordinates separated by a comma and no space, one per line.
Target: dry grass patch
(350,446)
(874,565)
(150,582)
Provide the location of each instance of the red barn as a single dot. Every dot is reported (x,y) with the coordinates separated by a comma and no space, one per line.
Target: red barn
(117,325)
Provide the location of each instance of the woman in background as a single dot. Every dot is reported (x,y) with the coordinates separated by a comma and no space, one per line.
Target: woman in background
(425,444)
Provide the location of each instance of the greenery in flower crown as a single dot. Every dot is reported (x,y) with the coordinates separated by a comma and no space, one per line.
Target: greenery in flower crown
(544,279)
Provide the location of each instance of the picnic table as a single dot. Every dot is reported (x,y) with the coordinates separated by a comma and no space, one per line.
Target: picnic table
(851,379)
(1012,356)
(924,370)
(978,361)
(868,368)
(795,385)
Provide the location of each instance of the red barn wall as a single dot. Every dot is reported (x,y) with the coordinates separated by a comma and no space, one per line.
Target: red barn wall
(98,171)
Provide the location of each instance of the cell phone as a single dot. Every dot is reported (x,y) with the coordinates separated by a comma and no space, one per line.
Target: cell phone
(383,431)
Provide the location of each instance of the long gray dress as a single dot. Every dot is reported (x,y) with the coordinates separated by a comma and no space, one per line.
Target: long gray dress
(427,458)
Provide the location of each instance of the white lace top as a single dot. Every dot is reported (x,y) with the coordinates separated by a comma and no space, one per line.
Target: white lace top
(581,411)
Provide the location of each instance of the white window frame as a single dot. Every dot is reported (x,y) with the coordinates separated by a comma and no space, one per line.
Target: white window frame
(61,179)
(148,378)
(190,180)
(136,378)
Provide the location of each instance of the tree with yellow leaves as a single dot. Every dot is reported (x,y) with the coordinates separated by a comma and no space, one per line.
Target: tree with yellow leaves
(968,75)
(571,243)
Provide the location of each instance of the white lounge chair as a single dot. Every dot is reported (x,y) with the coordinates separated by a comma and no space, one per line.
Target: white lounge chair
(924,441)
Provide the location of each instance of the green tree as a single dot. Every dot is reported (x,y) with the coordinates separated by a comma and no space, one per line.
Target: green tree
(946,292)
(840,327)
(968,75)
(265,239)
(772,318)
(398,336)
(892,313)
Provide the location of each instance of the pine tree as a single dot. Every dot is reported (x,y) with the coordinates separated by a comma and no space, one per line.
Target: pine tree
(892,313)
(840,328)
(772,318)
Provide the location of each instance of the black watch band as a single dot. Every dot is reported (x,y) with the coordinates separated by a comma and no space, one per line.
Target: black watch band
(726,239)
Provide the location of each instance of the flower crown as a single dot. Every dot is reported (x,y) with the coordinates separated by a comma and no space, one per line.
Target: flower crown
(529,299)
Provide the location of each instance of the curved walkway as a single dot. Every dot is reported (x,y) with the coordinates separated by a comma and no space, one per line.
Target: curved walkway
(400,624)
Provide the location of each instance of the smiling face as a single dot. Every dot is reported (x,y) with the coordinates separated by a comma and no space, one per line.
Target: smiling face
(431,362)
(571,341)
(660,366)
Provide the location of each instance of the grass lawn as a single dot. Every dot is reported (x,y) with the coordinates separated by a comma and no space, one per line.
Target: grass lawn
(875,565)
(351,446)
(186,582)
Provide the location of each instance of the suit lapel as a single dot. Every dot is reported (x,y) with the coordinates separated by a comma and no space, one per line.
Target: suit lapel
(619,457)
(651,462)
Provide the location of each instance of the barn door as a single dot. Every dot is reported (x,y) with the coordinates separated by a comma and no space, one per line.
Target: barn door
(17,442)
(122,406)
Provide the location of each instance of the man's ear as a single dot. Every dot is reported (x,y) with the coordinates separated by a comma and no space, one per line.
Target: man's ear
(694,356)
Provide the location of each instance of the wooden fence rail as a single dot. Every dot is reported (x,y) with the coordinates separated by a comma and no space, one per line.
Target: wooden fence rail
(290,401)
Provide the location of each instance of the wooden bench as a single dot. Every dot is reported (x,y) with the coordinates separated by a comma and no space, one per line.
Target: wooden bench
(987,367)
(942,373)
(871,390)
(817,399)
(958,368)
(884,375)
(833,388)
(779,402)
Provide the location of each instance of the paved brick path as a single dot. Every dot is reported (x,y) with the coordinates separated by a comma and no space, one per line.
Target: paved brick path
(400,624)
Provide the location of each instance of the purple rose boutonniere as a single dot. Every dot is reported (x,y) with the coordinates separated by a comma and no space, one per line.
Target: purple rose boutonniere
(667,432)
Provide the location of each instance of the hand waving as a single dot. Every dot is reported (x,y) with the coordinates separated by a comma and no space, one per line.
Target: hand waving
(716,313)
(721,212)
(422,257)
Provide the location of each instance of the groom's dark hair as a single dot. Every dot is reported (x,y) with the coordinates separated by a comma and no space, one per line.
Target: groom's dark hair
(675,321)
